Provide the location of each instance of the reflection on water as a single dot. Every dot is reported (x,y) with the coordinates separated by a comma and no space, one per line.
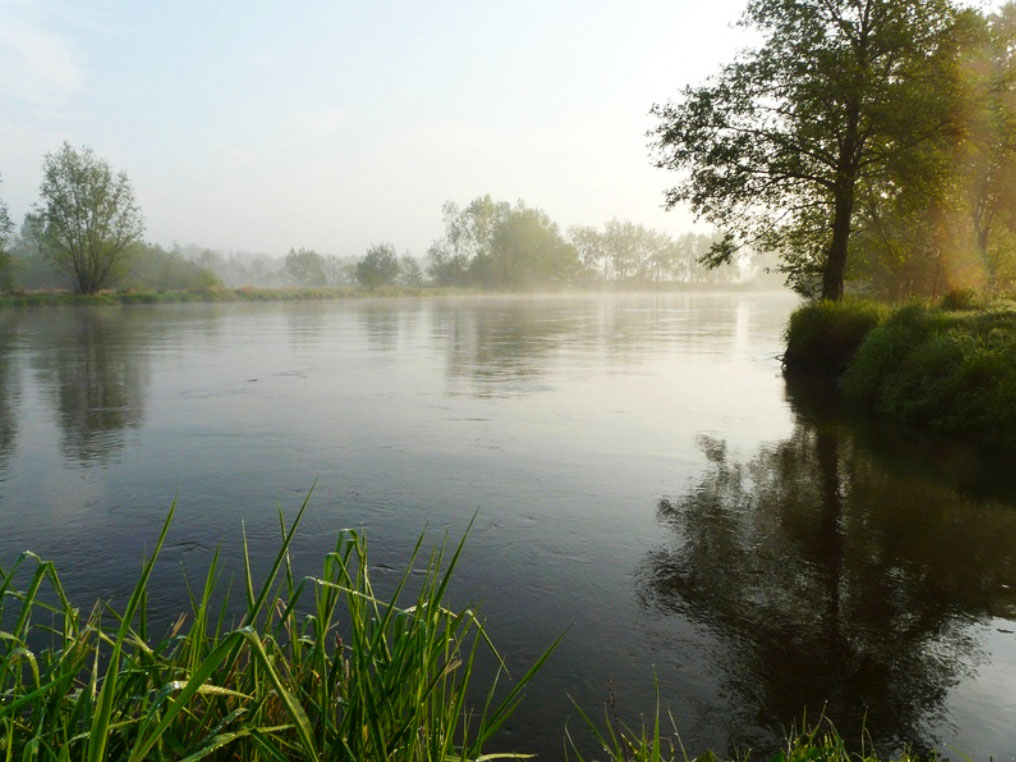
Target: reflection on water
(97,377)
(506,347)
(500,350)
(831,580)
(10,389)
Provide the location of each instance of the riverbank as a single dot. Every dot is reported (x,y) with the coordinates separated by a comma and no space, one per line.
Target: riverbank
(950,366)
(320,668)
(249,294)
(111,298)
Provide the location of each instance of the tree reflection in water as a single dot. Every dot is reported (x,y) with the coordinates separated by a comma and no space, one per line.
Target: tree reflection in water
(98,377)
(829,579)
(10,389)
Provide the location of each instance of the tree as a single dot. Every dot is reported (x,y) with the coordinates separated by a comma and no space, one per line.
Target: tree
(305,268)
(410,272)
(526,250)
(89,217)
(468,234)
(379,267)
(592,251)
(493,244)
(6,260)
(777,144)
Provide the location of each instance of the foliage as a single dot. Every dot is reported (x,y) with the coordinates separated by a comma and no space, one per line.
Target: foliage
(526,250)
(410,272)
(6,260)
(952,371)
(625,252)
(287,684)
(825,335)
(88,217)
(306,268)
(379,267)
(468,235)
(819,742)
(493,244)
(777,145)
(154,268)
(959,299)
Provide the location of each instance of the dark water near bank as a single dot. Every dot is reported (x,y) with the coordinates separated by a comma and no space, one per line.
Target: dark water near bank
(643,475)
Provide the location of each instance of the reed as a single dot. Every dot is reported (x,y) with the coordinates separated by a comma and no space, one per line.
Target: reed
(286,684)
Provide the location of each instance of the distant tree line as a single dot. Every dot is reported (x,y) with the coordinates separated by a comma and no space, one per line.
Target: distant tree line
(493,244)
(85,234)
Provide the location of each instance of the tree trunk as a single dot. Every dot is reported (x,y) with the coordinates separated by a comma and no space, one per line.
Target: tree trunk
(836,262)
(843,208)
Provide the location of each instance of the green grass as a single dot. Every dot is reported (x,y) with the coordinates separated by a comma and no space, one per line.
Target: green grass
(823,336)
(287,683)
(660,742)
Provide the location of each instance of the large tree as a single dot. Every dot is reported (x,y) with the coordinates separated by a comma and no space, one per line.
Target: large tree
(776,145)
(89,217)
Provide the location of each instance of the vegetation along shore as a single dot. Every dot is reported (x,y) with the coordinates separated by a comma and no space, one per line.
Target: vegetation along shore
(950,365)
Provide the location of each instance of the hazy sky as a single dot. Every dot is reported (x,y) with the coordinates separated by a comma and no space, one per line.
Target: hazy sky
(331,125)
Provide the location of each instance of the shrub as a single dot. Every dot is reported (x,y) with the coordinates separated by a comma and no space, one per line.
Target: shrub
(959,299)
(952,371)
(824,335)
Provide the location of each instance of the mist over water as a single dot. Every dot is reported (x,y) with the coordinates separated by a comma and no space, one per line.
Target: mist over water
(642,477)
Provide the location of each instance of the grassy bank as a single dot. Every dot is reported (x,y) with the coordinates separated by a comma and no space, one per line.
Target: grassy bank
(949,366)
(318,668)
(248,294)
(63,298)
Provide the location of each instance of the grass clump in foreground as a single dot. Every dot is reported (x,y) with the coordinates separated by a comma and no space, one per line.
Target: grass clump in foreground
(951,370)
(283,685)
(820,743)
(823,336)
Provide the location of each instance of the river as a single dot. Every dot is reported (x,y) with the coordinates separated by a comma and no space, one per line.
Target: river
(643,479)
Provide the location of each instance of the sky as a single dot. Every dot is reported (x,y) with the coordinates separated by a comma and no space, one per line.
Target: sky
(258,126)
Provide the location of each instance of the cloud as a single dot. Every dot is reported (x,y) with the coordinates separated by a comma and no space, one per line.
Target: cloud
(39,65)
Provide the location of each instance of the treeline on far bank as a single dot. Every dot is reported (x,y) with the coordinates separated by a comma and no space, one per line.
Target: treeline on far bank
(948,365)
(511,248)
(85,236)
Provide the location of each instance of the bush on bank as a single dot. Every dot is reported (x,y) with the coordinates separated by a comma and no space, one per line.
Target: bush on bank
(950,367)
(823,336)
(953,371)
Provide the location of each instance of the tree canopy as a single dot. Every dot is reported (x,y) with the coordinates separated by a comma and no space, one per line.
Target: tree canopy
(778,145)
(89,217)
(379,266)
(493,244)
(305,267)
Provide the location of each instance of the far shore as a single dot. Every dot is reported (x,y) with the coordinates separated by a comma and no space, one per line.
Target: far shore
(251,294)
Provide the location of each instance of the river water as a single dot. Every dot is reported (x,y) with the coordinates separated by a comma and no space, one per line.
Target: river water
(643,478)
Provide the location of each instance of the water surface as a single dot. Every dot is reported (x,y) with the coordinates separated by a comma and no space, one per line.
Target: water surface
(642,474)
